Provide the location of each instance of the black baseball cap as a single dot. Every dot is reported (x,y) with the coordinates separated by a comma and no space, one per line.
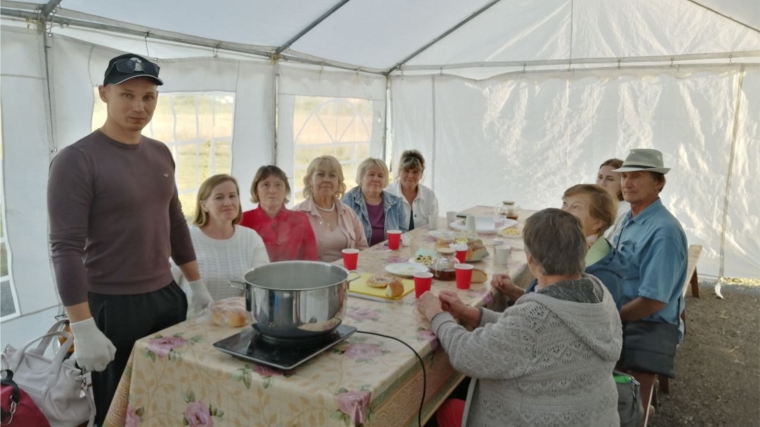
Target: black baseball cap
(130,66)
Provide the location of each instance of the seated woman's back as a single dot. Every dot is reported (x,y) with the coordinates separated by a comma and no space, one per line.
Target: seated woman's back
(556,350)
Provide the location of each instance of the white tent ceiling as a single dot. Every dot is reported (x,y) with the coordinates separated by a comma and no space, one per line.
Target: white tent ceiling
(378,35)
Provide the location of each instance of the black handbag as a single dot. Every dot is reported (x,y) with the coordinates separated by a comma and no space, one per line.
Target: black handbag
(650,347)
(630,408)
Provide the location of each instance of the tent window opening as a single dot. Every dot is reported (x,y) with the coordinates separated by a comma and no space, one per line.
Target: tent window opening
(340,127)
(197,128)
(8,298)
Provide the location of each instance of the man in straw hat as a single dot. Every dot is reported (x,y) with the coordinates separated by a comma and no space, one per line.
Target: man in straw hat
(651,243)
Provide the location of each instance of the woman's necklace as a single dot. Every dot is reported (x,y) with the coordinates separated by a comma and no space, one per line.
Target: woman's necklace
(325,210)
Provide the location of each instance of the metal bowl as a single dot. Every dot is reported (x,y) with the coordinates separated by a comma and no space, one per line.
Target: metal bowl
(297,299)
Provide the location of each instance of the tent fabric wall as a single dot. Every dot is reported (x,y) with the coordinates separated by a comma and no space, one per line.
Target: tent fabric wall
(530,138)
(742,246)
(412,102)
(660,28)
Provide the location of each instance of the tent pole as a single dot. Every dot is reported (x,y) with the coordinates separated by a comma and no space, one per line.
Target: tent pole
(42,20)
(388,147)
(276,68)
(727,197)
(49,7)
(601,61)
(446,33)
(725,16)
(572,15)
(309,27)
(44,16)
(435,136)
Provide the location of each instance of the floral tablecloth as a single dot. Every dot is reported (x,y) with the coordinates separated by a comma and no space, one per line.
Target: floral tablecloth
(177,378)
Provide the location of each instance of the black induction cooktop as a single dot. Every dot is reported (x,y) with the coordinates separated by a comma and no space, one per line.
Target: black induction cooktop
(282,354)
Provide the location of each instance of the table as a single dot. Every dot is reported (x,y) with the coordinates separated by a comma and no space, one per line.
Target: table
(177,378)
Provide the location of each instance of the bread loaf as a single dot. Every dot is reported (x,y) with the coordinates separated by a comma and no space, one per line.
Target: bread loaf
(394,290)
(479,276)
(230,312)
(475,248)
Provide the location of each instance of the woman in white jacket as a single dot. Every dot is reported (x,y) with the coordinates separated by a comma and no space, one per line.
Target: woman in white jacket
(225,251)
(419,201)
(610,181)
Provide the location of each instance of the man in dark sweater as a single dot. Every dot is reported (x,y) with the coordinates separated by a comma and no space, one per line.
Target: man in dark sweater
(115,219)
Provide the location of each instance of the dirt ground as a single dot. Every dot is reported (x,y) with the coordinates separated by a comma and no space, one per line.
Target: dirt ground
(718,364)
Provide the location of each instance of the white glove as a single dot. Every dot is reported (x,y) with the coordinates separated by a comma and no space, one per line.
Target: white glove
(201,298)
(93,351)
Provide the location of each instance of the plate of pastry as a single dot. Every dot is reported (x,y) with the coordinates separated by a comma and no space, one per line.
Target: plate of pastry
(476,250)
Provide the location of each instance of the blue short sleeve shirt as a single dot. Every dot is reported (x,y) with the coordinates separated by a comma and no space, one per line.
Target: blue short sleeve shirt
(654,251)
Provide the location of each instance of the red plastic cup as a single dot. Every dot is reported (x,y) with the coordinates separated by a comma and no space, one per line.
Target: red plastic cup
(350,258)
(394,239)
(423,281)
(464,275)
(461,256)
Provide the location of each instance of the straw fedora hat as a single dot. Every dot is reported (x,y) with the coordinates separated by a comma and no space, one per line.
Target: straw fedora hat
(643,159)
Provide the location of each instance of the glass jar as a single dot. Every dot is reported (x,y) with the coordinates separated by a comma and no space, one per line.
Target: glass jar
(505,208)
(443,268)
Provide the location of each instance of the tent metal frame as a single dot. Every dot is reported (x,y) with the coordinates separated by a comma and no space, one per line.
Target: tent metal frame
(599,61)
(724,16)
(311,26)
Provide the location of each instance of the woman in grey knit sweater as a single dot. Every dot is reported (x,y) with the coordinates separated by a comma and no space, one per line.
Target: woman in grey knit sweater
(547,360)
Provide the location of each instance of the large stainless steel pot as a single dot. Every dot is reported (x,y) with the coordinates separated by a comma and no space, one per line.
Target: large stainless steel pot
(297,299)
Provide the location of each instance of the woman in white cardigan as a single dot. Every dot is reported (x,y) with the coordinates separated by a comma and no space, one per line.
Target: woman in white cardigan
(225,251)
(610,181)
(420,203)
(545,361)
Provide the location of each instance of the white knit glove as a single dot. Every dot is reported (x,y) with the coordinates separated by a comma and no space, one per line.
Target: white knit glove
(93,351)
(201,298)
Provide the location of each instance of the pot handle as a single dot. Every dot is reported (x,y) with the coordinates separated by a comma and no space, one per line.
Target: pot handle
(238,284)
(358,275)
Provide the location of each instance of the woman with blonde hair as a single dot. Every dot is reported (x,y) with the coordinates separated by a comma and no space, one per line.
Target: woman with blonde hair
(378,210)
(336,227)
(224,250)
(420,203)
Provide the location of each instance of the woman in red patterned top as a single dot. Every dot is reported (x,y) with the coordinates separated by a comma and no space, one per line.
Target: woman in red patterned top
(287,234)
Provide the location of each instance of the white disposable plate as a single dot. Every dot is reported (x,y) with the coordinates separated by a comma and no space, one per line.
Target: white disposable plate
(443,234)
(485,224)
(405,269)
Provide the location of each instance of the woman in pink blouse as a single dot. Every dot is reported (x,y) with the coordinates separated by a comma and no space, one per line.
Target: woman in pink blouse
(287,234)
(336,226)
